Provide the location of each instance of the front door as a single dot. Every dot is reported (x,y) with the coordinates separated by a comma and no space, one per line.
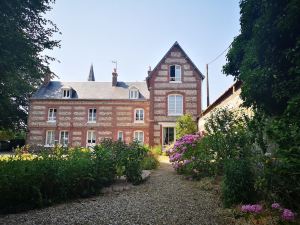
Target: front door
(168,135)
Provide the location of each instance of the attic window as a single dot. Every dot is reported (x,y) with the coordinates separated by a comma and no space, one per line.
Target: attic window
(175,73)
(133,93)
(66,92)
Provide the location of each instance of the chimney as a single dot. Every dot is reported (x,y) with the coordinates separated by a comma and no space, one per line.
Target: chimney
(114,78)
(149,70)
(47,79)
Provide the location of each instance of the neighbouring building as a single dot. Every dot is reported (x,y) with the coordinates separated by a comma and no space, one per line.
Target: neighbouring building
(230,99)
(83,113)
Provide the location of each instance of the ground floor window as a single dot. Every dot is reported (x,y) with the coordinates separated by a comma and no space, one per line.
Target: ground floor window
(120,135)
(168,135)
(139,136)
(64,138)
(50,138)
(91,138)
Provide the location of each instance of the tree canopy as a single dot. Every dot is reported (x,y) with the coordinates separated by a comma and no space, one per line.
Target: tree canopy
(24,34)
(266,56)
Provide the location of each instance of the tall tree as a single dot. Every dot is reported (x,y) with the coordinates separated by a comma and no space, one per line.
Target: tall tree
(266,55)
(24,35)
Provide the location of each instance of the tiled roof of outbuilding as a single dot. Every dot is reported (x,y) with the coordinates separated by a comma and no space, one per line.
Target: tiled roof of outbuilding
(91,90)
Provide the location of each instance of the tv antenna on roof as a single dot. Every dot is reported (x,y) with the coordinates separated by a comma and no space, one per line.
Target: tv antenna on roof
(116,64)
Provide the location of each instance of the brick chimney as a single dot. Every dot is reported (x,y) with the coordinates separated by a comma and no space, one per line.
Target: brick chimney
(47,79)
(114,78)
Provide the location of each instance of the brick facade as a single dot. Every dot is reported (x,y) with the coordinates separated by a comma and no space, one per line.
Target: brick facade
(113,115)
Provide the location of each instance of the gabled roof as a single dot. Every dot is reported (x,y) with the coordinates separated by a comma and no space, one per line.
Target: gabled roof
(91,90)
(176,44)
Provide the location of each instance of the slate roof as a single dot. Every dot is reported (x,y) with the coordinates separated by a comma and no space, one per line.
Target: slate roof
(92,90)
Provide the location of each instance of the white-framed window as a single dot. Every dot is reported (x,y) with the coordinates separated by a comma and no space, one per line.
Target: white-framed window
(139,115)
(120,136)
(52,115)
(175,105)
(64,138)
(91,138)
(139,136)
(50,138)
(175,73)
(133,93)
(92,115)
(66,93)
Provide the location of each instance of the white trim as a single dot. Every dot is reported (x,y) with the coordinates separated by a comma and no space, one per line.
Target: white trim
(162,133)
(134,116)
(180,75)
(140,131)
(94,115)
(87,136)
(66,90)
(135,94)
(52,137)
(52,119)
(175,114)
(59,138)
(122,139)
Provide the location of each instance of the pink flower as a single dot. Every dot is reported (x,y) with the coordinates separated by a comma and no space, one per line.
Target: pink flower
(276,206)
(288,215)
(252,208)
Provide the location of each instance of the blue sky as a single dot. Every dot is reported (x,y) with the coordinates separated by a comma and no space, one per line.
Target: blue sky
(138,34)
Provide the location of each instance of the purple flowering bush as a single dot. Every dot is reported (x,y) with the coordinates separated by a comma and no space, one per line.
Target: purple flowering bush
(277,214)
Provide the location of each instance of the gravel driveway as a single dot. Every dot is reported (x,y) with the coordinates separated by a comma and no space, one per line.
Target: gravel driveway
(165,198)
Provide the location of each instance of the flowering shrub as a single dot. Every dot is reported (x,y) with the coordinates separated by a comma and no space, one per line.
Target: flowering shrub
(278,214)
(180,154)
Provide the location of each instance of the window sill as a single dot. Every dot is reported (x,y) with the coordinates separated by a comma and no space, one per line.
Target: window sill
(48,146)
(91,121)
(176,82)
(139,121)
(51,121)
(175,114)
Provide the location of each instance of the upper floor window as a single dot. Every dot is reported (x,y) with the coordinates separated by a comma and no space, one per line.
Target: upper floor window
(133,93)
(52,115)
(120,136)
(92,115)
(139,115)
(50,138)
(139,136)
(175,73)
(64,138)
(175,105)
(91,138)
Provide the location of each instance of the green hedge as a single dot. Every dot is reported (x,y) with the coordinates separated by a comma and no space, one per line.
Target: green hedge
(28,181)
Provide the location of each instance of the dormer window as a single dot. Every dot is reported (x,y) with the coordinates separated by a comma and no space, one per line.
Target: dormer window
(66,92)
(133,93)
(175,73)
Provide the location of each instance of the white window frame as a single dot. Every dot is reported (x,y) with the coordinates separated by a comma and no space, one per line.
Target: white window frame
(177,70)
(66,93)
(134,93)
(93,117)
(52,114)
(92,136)
(120,137)
(62,142)
(47,144)
(176,113)
(137,118)
(137,135)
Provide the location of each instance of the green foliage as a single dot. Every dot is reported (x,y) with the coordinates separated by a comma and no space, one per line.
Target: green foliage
(265,56)
(238,182)
(150,162)
(185,125)
(227,136)
(156,150)
(30,181)
(24,35)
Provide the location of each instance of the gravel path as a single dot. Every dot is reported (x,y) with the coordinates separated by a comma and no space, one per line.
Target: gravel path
(165,198)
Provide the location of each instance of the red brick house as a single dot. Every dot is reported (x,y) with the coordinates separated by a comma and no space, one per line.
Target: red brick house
(83,113)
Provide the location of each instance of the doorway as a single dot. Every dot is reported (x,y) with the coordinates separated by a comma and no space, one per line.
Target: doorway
(168,135)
